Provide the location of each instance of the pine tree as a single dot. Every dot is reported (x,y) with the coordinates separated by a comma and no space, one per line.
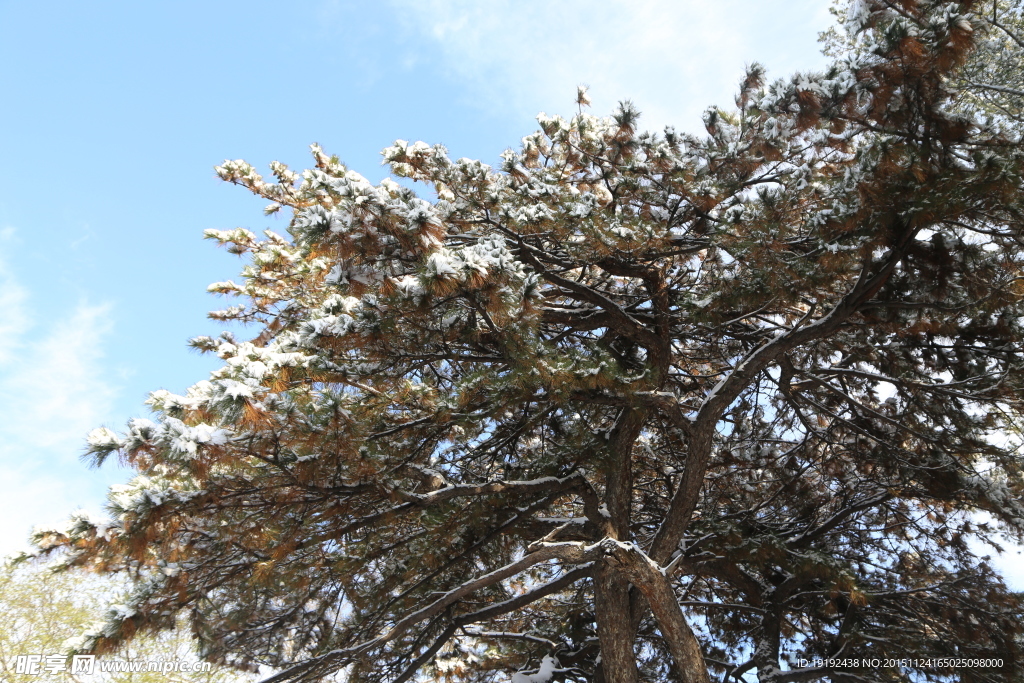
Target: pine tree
(631,407)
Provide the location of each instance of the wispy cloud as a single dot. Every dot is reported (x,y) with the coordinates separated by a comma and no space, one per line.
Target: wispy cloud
(14,321)
(673,58)
(54,387)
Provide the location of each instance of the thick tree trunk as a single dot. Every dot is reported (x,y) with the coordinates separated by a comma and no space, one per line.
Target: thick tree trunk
(611,593)
(654,592)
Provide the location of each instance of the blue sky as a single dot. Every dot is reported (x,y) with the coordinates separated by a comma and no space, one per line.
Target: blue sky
(115,113)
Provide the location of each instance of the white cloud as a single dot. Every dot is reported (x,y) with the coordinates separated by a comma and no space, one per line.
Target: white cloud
(1010,564)
(53,389)
(57,387)
(673,58)
(1009,561)
(14,321)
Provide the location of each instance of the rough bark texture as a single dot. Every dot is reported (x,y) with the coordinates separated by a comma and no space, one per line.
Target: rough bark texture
(611,595)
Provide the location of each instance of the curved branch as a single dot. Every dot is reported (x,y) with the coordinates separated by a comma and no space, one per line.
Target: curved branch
(684,501)
(336,658)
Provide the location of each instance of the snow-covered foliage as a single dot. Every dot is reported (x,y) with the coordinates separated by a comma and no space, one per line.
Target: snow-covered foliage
(760,372)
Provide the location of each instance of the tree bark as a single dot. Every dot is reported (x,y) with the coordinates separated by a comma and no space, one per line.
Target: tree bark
(678,635)
(611,603)
(656,591)
(619,490)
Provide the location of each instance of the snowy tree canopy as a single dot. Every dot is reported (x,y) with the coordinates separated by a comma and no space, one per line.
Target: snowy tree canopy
(631,407)
(989,82)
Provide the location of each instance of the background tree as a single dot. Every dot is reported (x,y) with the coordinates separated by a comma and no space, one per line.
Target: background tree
(633,407)
(40,610)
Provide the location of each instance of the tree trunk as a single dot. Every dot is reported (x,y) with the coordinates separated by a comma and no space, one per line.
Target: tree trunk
(611,593)
(653,591)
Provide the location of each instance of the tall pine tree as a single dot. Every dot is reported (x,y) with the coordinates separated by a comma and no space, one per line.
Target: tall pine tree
(632,407)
